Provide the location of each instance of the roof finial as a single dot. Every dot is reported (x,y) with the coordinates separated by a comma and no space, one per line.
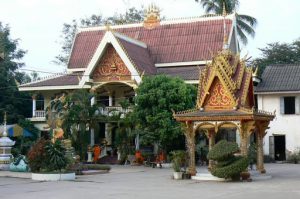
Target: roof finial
(225,39)
(255,73)
(224,10)
(152,18)
(4,134)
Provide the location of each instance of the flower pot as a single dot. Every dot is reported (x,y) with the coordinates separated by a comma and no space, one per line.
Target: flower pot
(177,175)
(245,175)
(186,176)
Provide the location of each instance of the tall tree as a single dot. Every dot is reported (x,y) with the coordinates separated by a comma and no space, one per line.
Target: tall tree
(278,53)
(16,104)
(132,15)
(156,97)
(245,23)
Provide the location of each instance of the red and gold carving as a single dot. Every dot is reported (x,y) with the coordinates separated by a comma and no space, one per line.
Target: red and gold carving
(218,98)
(111,67)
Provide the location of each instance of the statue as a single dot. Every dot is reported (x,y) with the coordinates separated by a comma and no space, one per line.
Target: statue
(19,164)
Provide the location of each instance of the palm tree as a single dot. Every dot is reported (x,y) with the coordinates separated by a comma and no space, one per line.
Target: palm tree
(245,23)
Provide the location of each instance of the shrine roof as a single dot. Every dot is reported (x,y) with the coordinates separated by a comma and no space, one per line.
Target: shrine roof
(196,39)
(222,115)
(280,78)
(184,72)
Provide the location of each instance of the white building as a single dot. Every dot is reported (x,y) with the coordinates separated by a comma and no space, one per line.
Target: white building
(279,91)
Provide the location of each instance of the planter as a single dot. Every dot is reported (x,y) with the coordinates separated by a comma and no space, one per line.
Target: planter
(177,175)
(53,176)
(245,175)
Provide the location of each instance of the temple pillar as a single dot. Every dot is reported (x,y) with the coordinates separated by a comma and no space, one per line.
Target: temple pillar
(110,100)
(92,135)
(245,130)
(190,143)
(33,105)
(260,133)
(211,143)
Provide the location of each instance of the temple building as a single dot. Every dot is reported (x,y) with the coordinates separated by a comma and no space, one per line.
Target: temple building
(279,89)
(112,60)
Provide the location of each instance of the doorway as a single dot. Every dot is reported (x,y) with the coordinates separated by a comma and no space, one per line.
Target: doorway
(279,147)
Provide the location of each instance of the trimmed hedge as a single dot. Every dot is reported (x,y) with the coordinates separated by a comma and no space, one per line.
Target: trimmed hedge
(227,165)
(231,170)
(222,150)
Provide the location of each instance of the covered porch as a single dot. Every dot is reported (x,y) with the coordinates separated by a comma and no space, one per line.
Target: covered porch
(246,124)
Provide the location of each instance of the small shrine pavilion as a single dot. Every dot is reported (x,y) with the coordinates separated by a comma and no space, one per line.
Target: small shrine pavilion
(225,100)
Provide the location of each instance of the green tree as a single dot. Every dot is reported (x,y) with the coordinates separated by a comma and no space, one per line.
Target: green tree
(132,15)
(15,103)
(245,23)
(278,53)
(79,117)
(156,97)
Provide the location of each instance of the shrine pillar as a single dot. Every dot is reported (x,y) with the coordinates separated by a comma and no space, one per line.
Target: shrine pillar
(211,143)
(245,130)
(190,143)
(260,133)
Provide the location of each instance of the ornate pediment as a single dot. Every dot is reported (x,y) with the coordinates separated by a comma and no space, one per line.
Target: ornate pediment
(111,67)
(225,83)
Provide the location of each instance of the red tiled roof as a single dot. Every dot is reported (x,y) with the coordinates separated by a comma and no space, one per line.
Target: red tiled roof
(168,43)
(65,80)
(184,72)
(140,56)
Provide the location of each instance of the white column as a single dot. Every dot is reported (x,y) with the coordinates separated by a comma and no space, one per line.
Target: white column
(33,105)
(137,142)
(110,100)
(92,138)
(93,101)
(108,133)
(92,141)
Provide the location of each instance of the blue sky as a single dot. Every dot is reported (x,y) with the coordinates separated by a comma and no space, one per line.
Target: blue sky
(38,23)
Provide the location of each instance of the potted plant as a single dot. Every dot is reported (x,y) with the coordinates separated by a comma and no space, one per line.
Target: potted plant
(48,161)
(178,158)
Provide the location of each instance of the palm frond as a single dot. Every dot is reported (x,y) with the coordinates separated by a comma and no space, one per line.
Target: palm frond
(245,27)
(242,36)
(246,18)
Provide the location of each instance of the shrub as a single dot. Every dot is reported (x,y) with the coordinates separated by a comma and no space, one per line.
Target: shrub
(227,165)
(37,156)
(178,159)
(46,156)
(55,153)
(294,157)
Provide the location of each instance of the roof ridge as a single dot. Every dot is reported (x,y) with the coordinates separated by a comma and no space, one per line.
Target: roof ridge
(193,19)
(129,39)
(283,65)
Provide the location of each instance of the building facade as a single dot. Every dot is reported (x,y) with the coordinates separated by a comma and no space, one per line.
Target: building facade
(279,90)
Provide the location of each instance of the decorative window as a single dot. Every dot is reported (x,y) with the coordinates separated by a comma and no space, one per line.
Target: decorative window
(289,105)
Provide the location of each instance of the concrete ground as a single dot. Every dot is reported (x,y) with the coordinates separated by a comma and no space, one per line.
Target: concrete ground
(126,182)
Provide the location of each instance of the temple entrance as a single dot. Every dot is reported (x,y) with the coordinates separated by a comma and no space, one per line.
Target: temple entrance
(228,134)
(201,142)
(279,147)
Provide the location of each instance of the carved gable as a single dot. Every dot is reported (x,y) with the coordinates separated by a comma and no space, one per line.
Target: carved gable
(226,83)
(218,98)
(111,67)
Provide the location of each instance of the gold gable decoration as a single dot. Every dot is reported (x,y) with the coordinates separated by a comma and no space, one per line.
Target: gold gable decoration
(111,68)
(224,83)
(152,18)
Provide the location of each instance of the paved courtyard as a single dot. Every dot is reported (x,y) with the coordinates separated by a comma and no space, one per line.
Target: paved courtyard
(141,182)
